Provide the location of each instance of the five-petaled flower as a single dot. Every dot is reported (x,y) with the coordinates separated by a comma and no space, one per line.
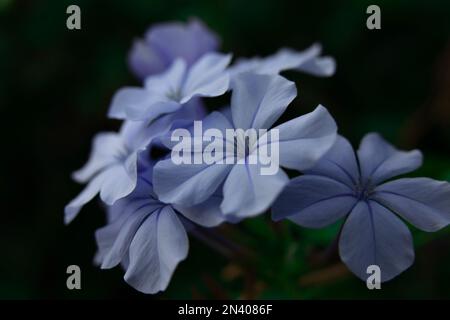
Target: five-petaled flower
(167,92)
(148,237)
(257,102)
(344,185)
(112,168)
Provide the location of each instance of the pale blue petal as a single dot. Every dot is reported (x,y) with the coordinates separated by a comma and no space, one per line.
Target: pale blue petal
(161,95)
(380,161)
(178,40)
(259,100)
(124,218)
(247,192)
(226,111)
(140,105)
(169,83)
(207,213)
(319,67)
(286,59)
(372,235)
(112,170)
(72,209)
(155,251)
(143,60)
(338,163)
(214,120)
(217,120)
(423,202)
(308,61)
(105,146)
(114,212)
(105,238)
(314,201)
(153,111)
(138,134)
(195,109)
(125,227)
(166,42)
(305,139)
(187,184)
(245,65)
(120,180)
(128,98)
(207,77)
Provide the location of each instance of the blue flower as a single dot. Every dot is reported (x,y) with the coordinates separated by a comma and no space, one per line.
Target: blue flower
(166,42)
(168,92)
(343,184)
(257,102)
(112,166)
(148,237)
(308,61)
(111,171)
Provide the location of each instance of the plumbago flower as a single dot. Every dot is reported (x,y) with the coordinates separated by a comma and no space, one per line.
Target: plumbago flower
(111,171)
(112,166)
(168,92)
(344,185)
(257,102)
(308,61)
(164,43)
(146,226)
(148,237)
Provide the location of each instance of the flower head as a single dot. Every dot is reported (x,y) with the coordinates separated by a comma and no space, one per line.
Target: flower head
(343,184)
(257,102)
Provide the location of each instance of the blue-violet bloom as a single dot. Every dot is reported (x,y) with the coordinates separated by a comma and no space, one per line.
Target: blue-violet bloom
(148,237)
(164,43)
(112,166)
(343,184)
(168,92)
(257,102)
(111,171)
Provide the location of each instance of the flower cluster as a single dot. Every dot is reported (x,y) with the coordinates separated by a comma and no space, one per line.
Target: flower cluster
(153,202)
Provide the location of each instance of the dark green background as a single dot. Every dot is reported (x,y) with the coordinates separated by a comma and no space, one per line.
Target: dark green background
(56,85)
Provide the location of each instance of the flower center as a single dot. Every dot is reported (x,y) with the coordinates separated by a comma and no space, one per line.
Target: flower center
(363,191)
(244,145)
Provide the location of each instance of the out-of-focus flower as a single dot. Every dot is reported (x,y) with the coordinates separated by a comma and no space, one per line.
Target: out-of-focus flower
(308,61)
(166,42)
(169,91)
(257,102)
(343,185)
(148,237)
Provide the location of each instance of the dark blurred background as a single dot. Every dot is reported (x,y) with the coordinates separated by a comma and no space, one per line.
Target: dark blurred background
(56,85)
